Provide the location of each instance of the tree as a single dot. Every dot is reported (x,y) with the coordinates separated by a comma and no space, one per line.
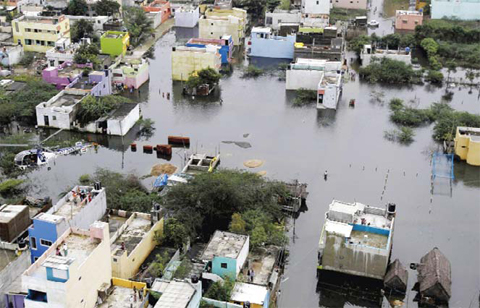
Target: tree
(206,76)
(82,28)
(430,46)
(175,233)
(221,290)
(237,225)
(272,4)
(87,53)
(107,7)
(138,25)
(451,67)
(92,108)
(357,43)
(77,8)
(434,76)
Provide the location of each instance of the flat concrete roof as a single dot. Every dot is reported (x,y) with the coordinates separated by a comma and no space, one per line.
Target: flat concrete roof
(9,212)
(224,244)
(176,295)
(246,292)
(66,100)
(119,298)
(134,233)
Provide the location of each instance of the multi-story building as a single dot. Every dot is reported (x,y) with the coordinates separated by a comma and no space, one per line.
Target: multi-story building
(132,243)
(263,43)
(225,43)
(350,4)
(306,73)
(187,16)
(467,145)
(115,43)
(62,75)
(131,73)
(187,60)
(72,271)
(40,33)
(217,23)
(98,83)
(460,9)
(161,7)
(408,20)
(315,13)
(73,210)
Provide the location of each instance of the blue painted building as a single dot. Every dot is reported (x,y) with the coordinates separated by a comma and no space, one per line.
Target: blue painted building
(225,43)
(70,211)
(266,45)
(226,253)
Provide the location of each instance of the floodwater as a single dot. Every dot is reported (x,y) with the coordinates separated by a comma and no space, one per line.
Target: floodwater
(301,143)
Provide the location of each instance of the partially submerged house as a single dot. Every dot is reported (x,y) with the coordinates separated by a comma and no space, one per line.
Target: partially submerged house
(216,23)
(73,278)
(356,239)
(467,145)
(187,60)
(370,53)
(70,211)
(396,278)
(263,43)
(329,90)
(118,122)
(225,43)
(130,73)
(226,254)
(434,278)
(60,111)
(307,73)
(132,243)
(187,16)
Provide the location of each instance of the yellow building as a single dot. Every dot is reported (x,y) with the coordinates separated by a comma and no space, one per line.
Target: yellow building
(132,243)
(217,23)
(187,60)
(467,145)
(40,33)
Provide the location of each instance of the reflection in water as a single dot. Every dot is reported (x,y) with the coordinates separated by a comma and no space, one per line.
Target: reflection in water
(326,117)
(469,175)
(337,289)
(268,63)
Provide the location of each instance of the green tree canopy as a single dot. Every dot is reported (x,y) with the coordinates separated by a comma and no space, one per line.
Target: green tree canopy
(82,28)
(77,8)
(87,53)
(107,7)
(138,25)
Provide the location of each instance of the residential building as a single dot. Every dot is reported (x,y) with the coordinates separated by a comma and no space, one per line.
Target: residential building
(408,20)
(187,16)
(10,53)
(350,4)
(40,33)
(14,220)
(130,73)
(124,294)
(115,43)
(257,296)
(12,265)
(226,253)
(132,243)
(307,73)
(467,145)
(356,239)
(58,55)
(60,111)
(370,53)
(70,211)
(320,43)
(225,43)
(98,83)
(460,9)
(223,4)
(118,122)
(217,23)
(159,6)
(73,278)
(434,275)
(97,21)
(329,90)
(315,13)
(276,18)
(263,43)
(62,75)
(178,293)
(10,86)
(187,60)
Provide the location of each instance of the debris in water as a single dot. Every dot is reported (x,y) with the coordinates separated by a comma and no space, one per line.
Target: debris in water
(159,169)
(253,163)
(242,144)
(246,135)
(262,173)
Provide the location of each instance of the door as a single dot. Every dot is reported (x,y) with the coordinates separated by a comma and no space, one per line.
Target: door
(46,120)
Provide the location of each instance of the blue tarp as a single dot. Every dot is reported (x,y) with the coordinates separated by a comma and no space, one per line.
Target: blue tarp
(161,181)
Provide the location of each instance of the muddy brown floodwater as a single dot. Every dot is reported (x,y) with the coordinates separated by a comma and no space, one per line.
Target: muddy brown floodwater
(301,143)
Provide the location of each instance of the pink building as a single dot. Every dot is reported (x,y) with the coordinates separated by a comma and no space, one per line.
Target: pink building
(408,20)
(62,75)
(159,6)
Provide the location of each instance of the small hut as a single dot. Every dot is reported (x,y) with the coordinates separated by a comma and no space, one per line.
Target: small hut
(396,279)
(434,277)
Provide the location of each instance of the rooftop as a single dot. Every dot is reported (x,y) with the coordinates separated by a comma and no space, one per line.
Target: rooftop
(245,292)
(6,256)
(403,12)
(137,228)
(119,297)
(261,30)
(82,83)
(41,19)
(472,132)
(9,212)
(65,100)
(114,34)
(176,294)
(224,244)
(123,110)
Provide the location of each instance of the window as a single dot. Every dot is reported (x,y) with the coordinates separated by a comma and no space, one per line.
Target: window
(269,21)
(404,21)
(35,30)
(33,242)
(54,118)
(28,42)
(35,259)
(318,2)
(42,241)
(16,27)
(50,43)
(223,265)
(37,296)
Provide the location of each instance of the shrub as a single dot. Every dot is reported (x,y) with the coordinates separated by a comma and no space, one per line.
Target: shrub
(434,76)
(252,72)
(10,186)
(389,71)
(27,59)
(305,96)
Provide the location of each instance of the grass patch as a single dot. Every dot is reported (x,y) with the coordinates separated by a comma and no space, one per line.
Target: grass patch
(391,6)
(345,14)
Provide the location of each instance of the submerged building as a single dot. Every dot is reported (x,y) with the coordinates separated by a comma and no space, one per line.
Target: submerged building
(307,73)
(356,239)
(329,90)
(467,145)
(263,43)
(187,60)
(370,54)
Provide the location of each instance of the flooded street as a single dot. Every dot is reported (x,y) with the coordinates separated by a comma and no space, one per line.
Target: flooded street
(301,143)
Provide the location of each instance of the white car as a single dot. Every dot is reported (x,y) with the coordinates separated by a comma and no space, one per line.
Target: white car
(373,23)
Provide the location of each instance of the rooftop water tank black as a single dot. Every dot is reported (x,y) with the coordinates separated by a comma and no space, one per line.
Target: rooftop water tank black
(391,208)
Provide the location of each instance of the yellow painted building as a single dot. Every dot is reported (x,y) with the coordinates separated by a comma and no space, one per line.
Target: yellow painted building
(467,145)
(132,243)
(217,23)
(40,33)
(187,60)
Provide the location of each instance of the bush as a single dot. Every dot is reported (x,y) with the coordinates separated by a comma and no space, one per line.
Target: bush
(206,76)
(389,71)
(27,59)
(85,179)
(252,72)
(10,187)
(434,76)
(305,96)
(221,290)
(92,108)
(357,43)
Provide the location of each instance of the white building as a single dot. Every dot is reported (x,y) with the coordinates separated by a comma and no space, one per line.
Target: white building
(316,13)
(276,18)
(98,21)
(187,16)
(178,293)
(350,4)
(329,90)
(61,53)
(368,54)
(307,73)
(59,112)
(73,278)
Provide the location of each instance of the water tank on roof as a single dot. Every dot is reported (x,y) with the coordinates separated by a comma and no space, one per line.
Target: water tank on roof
(391,209)
(97,185)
